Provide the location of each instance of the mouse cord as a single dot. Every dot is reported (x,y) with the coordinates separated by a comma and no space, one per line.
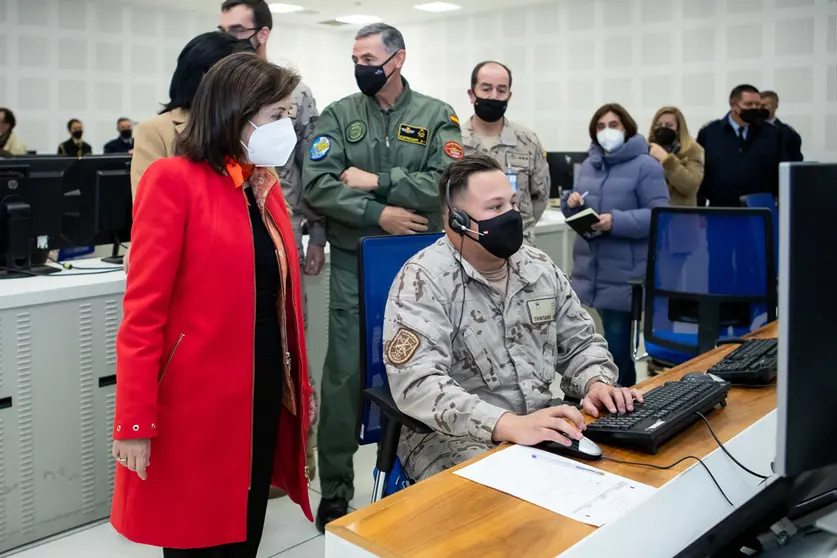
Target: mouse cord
(726,451)
(667,467)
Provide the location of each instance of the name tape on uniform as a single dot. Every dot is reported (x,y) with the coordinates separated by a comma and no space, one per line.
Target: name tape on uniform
(412,134)
(521,160)
(541,311)
(320,148)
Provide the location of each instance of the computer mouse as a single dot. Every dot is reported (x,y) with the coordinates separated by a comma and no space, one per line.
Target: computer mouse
(580,449)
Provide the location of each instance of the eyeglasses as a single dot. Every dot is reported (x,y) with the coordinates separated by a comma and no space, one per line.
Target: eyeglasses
(239,32)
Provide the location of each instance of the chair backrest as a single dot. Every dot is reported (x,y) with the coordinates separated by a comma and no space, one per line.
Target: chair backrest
(767,201)
(380,260)
(710,275)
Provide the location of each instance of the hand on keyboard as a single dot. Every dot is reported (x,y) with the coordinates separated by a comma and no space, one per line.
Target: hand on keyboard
(613,399)
(546,425)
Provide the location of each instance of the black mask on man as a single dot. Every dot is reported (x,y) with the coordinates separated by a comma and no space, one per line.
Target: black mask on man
(754,115)
(664,136)
(126,134)
(490,110)
(371,79)
(77,134)
(502,236)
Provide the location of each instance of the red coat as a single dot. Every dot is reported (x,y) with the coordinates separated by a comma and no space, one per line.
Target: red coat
(185,361)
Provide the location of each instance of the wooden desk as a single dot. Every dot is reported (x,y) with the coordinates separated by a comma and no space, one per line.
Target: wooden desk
(447,515)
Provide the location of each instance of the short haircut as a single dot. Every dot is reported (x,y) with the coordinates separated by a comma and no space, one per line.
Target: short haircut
(261,12)
(458,173)
(9,117)
(230,95)
(739,91)
(772,95)
(478,67)
(391,37)
(195,60)
(124,119)
(71,122)
(624,116)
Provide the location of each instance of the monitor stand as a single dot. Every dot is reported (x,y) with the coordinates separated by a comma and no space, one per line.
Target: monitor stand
(114,257)
(18,248)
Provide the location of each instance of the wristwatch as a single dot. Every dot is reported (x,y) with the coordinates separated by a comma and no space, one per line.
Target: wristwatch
(600,378)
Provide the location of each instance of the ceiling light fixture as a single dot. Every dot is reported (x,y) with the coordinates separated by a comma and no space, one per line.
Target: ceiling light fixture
(285,8)
(437,7)
(358,19)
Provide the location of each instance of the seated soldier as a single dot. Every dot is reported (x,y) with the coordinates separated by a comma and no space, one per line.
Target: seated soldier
(478,326)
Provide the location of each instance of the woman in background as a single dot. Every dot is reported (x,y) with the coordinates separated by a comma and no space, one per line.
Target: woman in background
(621,182)
(679,153)
(212,397)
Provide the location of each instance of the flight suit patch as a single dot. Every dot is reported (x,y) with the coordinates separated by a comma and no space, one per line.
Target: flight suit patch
(454,119)
(356,131)
(454,150)
(520,160)
(541,311)
(320,148)
(402,347)
(412,134)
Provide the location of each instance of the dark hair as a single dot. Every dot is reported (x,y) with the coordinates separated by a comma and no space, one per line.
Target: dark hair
(458,172)
(230,95)
(739,91)
(391,38)
(261,12)
(624,116)
(123,119)
(771,95)
(195,60)
(9,117)
(478,67)
(73,121)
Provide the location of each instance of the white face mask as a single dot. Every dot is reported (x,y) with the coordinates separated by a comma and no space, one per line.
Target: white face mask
(271,145)
(611,139)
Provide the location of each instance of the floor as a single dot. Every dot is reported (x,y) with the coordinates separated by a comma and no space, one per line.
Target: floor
(287,533)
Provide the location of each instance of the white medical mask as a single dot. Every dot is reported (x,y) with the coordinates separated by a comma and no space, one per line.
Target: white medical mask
(611,139)
(272,144)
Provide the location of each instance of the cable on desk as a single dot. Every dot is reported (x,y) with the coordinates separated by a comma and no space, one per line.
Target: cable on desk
(726,451)
(673,465)
(31,274)
(68,266)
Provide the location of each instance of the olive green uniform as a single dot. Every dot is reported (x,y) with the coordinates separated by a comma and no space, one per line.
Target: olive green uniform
(408,147)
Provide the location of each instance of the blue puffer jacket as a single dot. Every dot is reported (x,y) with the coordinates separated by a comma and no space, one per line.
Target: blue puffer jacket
(626,184)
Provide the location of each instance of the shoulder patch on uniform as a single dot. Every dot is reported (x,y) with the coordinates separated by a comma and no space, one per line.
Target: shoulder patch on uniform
(320,148)
(454,119)
(356,131)
(454,150)
(402,347)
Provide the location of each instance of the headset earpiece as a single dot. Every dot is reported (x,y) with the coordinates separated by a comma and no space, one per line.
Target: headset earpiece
(458,220)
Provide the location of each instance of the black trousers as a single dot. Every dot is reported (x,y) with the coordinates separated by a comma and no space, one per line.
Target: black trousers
(267,405)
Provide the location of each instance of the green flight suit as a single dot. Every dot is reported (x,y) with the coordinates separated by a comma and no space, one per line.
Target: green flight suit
(408,147)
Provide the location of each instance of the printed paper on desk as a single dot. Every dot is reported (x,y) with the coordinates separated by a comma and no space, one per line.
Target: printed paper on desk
(570,488)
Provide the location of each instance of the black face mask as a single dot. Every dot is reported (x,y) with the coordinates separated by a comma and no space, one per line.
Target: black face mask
(490,110)
(754,115)
(126,134)
(664,136)
(77,134)
(371,79)
(502,236)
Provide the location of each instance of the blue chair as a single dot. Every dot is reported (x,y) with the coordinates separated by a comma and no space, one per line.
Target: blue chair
(380,260)
(710,275)
(767,201)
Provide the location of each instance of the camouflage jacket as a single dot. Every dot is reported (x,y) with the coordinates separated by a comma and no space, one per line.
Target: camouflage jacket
(518,151)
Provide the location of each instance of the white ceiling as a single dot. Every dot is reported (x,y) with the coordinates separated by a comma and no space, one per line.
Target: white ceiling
(391,11)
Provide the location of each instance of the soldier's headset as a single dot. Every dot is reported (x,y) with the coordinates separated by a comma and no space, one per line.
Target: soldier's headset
(458,220)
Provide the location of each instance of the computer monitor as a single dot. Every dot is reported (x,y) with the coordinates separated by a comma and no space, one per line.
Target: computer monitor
(563,168)
(32,208)
(806,455)
(108,180)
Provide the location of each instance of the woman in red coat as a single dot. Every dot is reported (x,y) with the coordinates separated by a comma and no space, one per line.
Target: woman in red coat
(212,385)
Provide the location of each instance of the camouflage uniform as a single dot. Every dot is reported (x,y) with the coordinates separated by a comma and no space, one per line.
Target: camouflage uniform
(304,115)
(504,358)
(517,150)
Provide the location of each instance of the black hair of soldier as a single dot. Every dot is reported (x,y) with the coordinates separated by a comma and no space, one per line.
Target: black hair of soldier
(476,72)
(261,12)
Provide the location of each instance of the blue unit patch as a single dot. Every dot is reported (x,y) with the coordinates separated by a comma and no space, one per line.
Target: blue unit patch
(320,148)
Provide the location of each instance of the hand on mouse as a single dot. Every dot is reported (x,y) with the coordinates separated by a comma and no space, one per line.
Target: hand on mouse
(601,396)
(554,424)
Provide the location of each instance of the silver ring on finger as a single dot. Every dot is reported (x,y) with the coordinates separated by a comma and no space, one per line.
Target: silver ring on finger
(122,460)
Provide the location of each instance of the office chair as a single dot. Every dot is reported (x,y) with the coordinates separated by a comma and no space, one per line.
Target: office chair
(380,421)
(769,202)
(710,275)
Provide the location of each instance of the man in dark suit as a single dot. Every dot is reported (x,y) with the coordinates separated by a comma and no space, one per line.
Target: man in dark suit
(75,146)
(125,142)
(742,152)
(792,139)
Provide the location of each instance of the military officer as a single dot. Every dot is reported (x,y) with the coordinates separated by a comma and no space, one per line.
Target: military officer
(478,326)
(516,148)
(373,169)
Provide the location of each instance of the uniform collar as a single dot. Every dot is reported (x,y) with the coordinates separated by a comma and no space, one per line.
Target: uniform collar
(521,271)
(403,100)
(508,137)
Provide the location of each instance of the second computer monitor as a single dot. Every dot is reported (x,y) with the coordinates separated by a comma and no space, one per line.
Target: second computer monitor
(563,167)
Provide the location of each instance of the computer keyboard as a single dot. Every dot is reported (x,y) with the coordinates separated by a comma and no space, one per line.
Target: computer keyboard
(667,411)
(754,362)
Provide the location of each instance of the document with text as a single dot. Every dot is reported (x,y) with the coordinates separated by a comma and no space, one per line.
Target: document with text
(570,488)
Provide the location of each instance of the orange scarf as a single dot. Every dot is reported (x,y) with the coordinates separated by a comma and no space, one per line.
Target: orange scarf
(240,173)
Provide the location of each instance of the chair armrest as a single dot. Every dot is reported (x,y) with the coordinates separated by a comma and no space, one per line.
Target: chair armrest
(383,399)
